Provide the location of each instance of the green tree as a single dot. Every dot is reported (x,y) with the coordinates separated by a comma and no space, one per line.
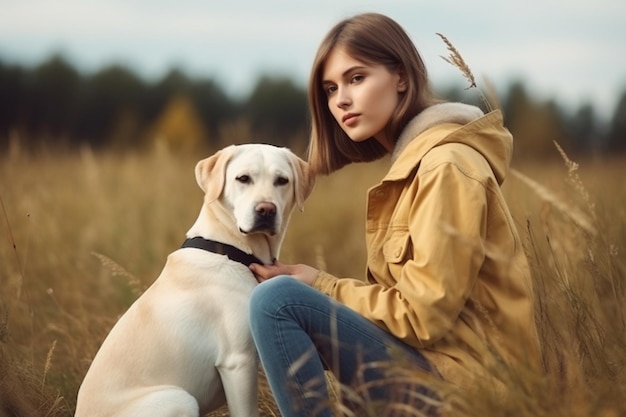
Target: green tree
(617,129)
(52,98)
(277,110)
(582,129)
(173,84)
(534,125)
(214,107)
(12,80)
(107,99)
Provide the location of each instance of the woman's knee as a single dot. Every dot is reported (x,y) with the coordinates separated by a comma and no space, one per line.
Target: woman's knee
(266,297)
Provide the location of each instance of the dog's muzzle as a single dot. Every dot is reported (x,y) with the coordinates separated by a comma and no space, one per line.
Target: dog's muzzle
(264,219)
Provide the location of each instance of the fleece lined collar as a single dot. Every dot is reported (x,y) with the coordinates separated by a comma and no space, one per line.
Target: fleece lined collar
(453,123)
(457,113)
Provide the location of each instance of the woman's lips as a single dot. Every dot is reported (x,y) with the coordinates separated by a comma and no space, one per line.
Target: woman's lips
(350,119)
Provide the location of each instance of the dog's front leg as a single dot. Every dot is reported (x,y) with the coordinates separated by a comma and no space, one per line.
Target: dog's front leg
(240,384)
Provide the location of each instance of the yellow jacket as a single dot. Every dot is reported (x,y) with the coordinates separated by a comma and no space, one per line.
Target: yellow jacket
(446,271)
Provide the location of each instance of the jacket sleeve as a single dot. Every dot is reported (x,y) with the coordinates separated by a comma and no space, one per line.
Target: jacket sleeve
(445,251)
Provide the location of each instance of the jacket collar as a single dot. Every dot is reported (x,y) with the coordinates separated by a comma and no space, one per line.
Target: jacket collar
(438,114)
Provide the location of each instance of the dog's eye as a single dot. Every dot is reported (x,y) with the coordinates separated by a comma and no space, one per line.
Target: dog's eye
(281,181)
(244,179)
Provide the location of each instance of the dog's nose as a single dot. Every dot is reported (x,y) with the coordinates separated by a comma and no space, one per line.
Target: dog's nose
(266,209)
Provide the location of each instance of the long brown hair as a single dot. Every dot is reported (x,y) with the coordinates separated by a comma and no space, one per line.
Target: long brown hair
(375,39)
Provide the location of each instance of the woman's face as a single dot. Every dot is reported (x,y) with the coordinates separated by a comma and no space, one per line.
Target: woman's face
(361,96)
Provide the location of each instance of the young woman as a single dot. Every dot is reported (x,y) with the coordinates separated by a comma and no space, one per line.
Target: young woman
(447,289)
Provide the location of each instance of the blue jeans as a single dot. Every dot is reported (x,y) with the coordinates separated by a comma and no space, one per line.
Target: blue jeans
(299,332)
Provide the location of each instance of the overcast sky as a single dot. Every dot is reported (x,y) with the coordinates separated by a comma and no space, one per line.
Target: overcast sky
(571,50)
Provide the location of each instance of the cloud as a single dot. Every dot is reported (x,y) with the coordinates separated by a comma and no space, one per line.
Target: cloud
(570,49)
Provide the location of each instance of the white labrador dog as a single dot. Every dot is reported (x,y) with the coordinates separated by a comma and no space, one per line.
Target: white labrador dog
(184,347)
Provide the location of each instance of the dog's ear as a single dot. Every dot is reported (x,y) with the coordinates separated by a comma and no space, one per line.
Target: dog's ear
(211,172)
(305,181)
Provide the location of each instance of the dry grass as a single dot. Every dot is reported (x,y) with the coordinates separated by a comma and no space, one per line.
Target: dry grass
(455,59)
(82,234)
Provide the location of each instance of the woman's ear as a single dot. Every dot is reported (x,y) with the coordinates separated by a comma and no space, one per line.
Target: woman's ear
(402,82)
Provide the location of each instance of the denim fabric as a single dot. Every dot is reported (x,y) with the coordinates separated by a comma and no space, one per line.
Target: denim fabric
(299,332)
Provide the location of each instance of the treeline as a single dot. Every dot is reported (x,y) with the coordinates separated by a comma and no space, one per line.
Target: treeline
(54,105)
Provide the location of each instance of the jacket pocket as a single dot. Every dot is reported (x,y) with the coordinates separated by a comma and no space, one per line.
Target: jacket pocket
(396,247)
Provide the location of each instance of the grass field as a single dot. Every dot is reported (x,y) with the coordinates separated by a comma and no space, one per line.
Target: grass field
(82,234)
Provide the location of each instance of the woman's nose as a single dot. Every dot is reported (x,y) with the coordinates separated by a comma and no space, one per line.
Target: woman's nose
(343,99)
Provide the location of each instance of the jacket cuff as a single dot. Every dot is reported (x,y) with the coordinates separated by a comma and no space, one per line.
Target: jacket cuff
(324,282)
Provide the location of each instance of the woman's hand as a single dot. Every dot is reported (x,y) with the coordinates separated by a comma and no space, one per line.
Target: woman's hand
(301,272)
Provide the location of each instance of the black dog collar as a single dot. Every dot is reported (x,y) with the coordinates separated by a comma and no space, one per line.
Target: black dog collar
(232,252)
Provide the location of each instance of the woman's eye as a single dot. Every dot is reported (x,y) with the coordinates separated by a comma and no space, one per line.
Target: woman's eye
(357,78)
(281,181)
(329,89)
(244,179)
